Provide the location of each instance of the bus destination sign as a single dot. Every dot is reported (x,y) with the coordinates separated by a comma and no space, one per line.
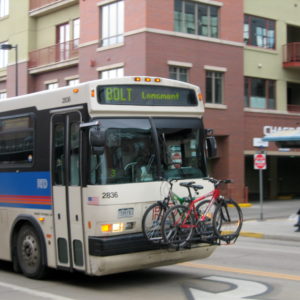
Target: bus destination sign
(146,95)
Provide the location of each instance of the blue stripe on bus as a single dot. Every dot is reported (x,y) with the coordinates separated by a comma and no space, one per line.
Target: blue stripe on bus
(25,183)
(25,190)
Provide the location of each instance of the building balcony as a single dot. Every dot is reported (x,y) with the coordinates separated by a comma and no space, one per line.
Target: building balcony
(39,8)
(291,55)
(59,55)
(293,108)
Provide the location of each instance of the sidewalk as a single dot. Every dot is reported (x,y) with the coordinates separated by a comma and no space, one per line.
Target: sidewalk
(275,229)
(279,218)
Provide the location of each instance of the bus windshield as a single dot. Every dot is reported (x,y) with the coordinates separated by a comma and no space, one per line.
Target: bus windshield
(143,150)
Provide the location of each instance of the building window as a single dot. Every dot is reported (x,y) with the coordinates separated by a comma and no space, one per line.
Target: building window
(112,73)
(52,86)
(3,57)
(4,8)
(259,32)
(3,95)
(73,82)
(112,20)
(178,73)
(214,87)
(260,93)
(76,32)
(196,18)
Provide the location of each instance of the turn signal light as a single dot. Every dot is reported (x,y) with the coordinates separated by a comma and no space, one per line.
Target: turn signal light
(200,97)
(106,228)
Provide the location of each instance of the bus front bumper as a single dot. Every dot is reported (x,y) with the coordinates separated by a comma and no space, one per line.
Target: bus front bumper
(128,253)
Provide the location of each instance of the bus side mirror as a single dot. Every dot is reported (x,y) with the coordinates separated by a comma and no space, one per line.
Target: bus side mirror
(212,149)
(97,139)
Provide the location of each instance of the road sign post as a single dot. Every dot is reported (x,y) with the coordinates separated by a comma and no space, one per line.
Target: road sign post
(260,164)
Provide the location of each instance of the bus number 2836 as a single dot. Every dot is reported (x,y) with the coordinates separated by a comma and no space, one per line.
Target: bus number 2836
(109,195)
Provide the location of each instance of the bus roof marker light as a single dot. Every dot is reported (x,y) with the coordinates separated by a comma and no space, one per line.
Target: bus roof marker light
(137,79)
(147,79)
(75,91)
(157,80)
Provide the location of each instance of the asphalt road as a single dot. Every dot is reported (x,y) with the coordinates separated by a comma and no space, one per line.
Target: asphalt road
(252,268)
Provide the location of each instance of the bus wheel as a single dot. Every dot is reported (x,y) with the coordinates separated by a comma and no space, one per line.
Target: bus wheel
(29,253)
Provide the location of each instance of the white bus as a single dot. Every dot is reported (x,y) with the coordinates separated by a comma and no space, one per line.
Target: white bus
(80,165)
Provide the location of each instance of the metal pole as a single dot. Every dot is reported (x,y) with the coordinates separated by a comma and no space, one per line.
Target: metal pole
(261,193)
(16,69)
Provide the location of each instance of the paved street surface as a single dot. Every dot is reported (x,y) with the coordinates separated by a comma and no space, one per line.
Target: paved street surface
(263,264)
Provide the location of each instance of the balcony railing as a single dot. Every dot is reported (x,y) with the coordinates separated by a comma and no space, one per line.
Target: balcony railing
(291,55)
(40,3)
(54,54)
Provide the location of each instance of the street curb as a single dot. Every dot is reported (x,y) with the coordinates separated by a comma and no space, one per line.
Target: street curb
(258,235)
(253,235)
(244,204)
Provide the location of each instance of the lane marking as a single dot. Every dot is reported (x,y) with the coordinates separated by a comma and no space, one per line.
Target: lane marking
(241,271)
(241,289)
(33,292)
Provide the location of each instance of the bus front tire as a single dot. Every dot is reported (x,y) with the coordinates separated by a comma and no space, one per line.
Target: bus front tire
(29,253)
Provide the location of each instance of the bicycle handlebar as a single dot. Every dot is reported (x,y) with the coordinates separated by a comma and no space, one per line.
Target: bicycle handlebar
(215,182)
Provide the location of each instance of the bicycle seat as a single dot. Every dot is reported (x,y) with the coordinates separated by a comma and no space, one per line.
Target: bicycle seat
(191,185)
(197,187)
(187,184)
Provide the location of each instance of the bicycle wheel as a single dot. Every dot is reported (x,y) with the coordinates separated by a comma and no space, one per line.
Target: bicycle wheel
(151,222)
(177,226)
(205,217)
(227,220)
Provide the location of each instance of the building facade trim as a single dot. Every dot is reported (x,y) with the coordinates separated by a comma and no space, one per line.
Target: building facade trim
(180,64)
(211,2)
(52,67)
(109,67)
(184,35)
(215,68)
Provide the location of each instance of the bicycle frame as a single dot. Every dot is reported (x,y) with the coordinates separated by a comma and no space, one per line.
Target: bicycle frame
(215,194)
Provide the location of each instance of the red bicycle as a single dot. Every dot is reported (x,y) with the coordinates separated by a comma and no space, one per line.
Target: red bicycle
(211,216)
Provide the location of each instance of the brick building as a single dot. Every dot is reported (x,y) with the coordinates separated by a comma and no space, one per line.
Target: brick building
(206,42)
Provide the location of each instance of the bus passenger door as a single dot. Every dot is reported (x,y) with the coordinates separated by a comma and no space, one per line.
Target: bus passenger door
(67,190)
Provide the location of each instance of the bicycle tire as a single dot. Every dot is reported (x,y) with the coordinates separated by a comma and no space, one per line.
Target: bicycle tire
(227,220)
(204,223)
(172,231)
(151,222)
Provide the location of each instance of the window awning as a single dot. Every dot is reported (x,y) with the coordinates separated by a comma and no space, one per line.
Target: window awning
(285,138)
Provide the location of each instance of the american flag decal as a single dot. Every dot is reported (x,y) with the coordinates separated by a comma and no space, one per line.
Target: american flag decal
(93,200)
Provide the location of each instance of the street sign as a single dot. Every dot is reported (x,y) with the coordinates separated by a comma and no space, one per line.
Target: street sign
(260,161)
